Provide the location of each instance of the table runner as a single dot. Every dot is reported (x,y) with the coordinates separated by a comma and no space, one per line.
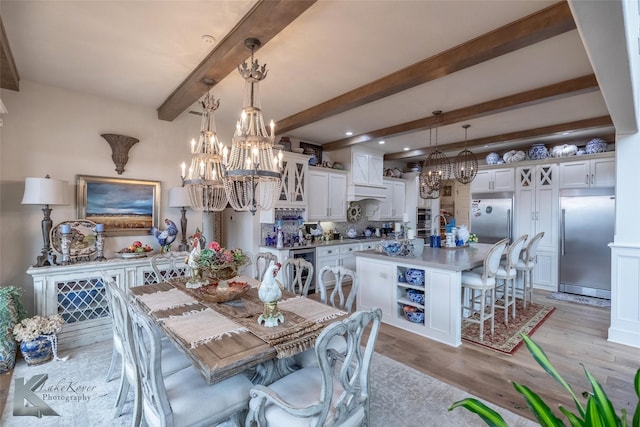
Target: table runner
(200,327)
(165,300)
(303,318)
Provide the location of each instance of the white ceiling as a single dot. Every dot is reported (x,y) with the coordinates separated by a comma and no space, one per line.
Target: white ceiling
(140,51)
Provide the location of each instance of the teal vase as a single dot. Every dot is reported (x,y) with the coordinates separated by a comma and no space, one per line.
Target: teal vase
(37,351)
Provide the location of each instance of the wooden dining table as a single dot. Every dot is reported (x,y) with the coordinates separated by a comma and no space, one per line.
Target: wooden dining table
(224,339)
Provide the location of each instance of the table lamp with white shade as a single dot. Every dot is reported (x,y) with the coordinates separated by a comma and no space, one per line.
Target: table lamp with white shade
(179,198)
(48,192)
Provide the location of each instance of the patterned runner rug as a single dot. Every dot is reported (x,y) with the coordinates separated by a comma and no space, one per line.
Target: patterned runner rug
(506,338)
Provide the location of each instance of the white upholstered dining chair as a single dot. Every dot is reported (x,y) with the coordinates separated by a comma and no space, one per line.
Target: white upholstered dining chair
(182,398)
(169,265)
(172,359)
(334,393)
(506,278)
(262,261)
(481,284)
(526,263)
(294,270)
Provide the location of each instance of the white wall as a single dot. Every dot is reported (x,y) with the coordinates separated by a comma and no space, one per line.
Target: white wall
(57,132)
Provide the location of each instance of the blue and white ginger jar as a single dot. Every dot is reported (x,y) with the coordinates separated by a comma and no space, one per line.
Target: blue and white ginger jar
(596,145)
(538,152)
(492,158)
(37,351)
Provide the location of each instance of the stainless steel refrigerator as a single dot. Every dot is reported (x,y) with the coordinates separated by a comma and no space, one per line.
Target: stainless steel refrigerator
(492,216)
(587,219)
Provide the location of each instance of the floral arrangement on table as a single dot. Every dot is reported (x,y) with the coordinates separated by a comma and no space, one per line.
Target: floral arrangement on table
(215,257)
(32,327)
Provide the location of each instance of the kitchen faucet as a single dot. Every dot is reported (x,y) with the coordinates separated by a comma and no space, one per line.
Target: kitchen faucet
(435,224)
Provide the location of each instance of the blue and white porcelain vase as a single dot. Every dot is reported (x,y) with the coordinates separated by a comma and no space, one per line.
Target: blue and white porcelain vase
(538,152)
(37,351)
(596,145)
(492,158)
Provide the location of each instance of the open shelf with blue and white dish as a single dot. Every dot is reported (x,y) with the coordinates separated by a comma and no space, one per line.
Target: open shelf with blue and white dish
(410,294)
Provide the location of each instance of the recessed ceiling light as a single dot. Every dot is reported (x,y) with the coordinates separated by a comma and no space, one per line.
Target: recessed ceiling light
(206,38)
(381,142)
(348,133)
(406,148)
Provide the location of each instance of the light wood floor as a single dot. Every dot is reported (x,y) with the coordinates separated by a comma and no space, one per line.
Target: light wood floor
(573,334)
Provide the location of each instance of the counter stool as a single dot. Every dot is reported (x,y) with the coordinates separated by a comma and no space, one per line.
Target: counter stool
(525,265)
(482,285)
(506,278)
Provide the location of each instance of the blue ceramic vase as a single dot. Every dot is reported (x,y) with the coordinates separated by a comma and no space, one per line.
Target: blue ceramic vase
(538,152)
(596,145)
(37,351)
(492,158)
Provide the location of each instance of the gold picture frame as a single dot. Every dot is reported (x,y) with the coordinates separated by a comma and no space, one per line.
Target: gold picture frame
(124,206)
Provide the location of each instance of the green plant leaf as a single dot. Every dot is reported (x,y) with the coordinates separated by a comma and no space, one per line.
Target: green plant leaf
(606,409)
(573,419)
(636,414)
(491,417)
(542,359)
(541,410)
(593,416)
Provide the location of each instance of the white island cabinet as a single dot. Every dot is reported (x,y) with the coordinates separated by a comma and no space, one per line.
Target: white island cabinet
(383,284)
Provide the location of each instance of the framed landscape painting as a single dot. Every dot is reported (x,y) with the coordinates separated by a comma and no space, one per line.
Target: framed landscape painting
(124,206)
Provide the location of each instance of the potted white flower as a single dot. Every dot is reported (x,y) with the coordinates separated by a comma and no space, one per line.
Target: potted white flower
(37,336)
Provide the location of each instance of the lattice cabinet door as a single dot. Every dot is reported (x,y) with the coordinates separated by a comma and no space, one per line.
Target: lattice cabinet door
(80,298)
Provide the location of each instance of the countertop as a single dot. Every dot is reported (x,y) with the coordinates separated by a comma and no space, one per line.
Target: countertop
(447,259)
(327,243)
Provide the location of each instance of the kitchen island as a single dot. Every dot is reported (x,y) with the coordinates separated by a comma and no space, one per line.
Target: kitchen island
(384,283)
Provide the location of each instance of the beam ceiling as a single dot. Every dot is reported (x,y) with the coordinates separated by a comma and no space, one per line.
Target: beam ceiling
(566,88)
(9,78)
(549,22)
(264,21)
(592,123)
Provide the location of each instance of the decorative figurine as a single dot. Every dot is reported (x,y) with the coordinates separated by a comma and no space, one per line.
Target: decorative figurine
(269,292)
(195,280)
(166,237)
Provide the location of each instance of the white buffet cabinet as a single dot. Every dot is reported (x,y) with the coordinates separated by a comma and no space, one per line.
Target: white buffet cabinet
(76,292)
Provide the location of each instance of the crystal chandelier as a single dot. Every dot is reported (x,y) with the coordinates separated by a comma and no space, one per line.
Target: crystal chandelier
(252,178)
(437,167)
(204,179)
(466,164)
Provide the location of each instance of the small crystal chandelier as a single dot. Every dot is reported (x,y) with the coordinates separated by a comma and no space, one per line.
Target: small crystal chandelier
(437,167)
(204,179)
(466,164)
(252,179)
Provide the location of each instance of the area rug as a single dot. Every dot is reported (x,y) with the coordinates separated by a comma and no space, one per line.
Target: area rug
(400,395)
(580,299)
(506,338)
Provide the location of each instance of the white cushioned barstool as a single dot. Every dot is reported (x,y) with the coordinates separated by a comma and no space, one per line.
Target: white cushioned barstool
(506,278)
(482,285)
(526,262)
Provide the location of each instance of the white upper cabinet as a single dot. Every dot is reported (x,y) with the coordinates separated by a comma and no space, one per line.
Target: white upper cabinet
(588,173)
(329,195)
(393,206)
(365,165)
(493,180)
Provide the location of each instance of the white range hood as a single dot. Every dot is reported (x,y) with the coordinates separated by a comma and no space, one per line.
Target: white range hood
(356,193)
